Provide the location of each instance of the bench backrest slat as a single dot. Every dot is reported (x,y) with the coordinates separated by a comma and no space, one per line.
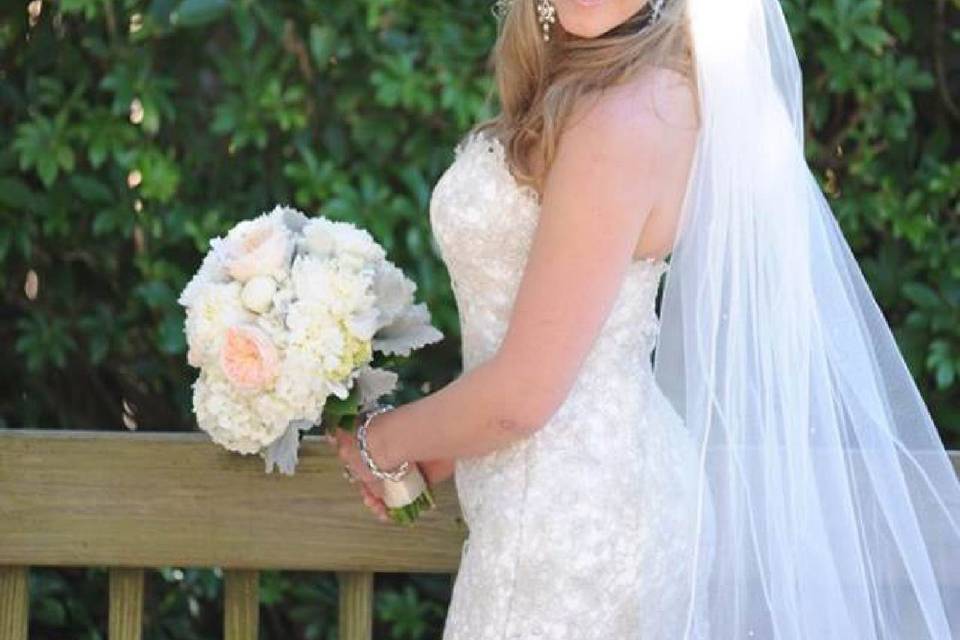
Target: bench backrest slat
(13,603)
(151,499)
(126,603)
(356,605)
(241,604)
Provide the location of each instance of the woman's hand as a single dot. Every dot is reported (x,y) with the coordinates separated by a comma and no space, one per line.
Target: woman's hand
(345,444)
(371,487)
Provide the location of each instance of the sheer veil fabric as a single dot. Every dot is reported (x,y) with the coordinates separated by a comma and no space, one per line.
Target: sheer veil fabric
(827,507)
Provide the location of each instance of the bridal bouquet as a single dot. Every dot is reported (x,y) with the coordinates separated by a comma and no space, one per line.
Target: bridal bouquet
(283,319)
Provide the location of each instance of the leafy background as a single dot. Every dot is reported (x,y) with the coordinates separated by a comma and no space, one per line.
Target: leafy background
(132,131)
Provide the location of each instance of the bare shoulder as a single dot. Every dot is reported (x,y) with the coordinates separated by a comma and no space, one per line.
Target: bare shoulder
(655,107)
(627,143)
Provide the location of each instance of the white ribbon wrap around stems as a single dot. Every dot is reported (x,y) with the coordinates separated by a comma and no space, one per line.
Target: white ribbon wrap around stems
(402,492)
(828,508)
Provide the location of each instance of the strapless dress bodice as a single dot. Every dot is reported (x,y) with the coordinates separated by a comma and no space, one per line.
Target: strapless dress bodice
(483,222)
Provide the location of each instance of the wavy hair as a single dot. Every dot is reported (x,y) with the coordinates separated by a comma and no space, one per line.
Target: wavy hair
(538,83)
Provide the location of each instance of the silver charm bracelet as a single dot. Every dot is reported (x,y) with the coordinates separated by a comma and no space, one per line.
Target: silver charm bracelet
(397,474)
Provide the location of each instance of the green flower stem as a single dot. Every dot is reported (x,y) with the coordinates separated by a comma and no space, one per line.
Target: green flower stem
(408,514)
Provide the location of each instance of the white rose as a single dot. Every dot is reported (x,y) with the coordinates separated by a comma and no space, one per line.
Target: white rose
(262,246)
(257,293)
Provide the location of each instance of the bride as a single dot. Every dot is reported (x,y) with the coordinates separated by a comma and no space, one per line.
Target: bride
(774,473)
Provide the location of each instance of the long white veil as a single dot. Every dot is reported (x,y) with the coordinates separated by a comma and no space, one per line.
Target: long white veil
(828,507)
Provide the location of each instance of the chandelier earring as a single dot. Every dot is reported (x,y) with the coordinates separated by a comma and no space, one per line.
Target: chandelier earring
(546,15)
(656,6)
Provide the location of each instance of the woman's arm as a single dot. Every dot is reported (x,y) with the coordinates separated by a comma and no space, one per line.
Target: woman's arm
(610,169)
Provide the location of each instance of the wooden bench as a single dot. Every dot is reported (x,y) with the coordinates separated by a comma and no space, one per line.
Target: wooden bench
(130,501)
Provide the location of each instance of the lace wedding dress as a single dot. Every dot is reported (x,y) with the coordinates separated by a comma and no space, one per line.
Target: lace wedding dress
(583,530)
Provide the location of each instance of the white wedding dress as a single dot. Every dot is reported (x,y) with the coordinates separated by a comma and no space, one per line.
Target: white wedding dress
(583,530)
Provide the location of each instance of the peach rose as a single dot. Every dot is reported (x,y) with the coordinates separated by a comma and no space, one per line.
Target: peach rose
(248,358)
(261,246)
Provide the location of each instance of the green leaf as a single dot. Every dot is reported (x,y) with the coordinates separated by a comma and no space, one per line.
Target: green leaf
(874,37)
(321,44)
(44,342)
(42,144)
(195,13)
(49,612)
(47,168)
(922,295)
(65,158)
(91,189)
(156,295)
(339,412)
(946,374)
(171,338)
(89,8)
(15,194)
(160,175)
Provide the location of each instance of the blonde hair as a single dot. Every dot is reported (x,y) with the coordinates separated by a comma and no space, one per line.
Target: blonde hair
(538,83)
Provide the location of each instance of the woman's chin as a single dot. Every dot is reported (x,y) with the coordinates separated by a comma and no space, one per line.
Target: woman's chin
(585,29)
(589,18)
(582,24)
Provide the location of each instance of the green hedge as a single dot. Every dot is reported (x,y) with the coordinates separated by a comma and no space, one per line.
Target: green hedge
(131,131)
(134,131)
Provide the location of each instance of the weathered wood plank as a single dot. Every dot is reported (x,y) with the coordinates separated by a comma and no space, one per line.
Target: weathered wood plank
(14,602)
(97,498)
(356,605)
(241,611)
(151,499)
(126,603)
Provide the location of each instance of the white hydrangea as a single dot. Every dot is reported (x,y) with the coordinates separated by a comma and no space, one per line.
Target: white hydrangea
(302,385)
(315,298)
(228,415)
(319,335)
(325,238)
(277,412)
(211,271)
(347,291)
